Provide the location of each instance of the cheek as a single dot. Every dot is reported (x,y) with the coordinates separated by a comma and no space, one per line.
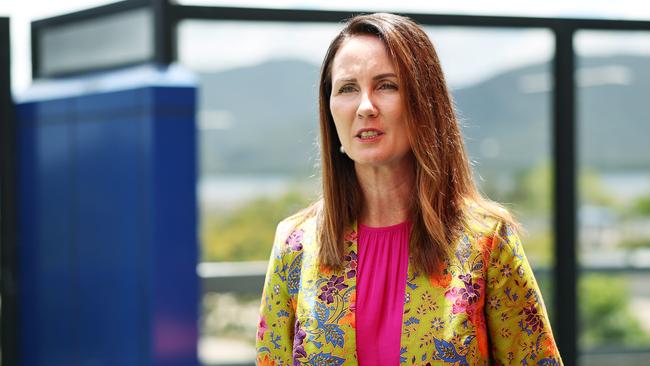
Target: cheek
(338,127)
(406,143)
(338,108)
(395,107)
(402,134)
(341,118)
(341,132)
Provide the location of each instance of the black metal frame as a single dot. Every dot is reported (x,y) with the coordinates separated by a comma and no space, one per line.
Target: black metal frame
(8,213)
(167,16)
(565,198)
(39,25)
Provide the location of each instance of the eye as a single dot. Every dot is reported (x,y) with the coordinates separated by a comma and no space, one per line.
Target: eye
(348,88)
(388,85)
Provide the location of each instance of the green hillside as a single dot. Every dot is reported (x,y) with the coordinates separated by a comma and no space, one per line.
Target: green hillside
(272,117)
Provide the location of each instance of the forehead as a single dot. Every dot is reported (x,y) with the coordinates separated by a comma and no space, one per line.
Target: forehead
(362,53)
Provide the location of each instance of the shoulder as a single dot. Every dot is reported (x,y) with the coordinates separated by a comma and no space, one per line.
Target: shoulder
(480,219)
(294,231)
(489,224)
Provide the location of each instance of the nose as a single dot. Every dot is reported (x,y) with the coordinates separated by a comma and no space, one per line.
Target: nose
(366,107)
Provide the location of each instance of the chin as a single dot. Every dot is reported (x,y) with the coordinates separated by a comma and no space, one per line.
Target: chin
(371,160)
(378,160)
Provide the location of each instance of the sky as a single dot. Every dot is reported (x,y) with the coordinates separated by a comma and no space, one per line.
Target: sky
(506,50)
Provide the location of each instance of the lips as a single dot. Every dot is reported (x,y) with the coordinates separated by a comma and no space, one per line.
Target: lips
(368,134)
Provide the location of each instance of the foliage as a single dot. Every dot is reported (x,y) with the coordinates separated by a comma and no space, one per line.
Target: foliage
(534,188)
(642,206)
(592,190)
(247,232)
(635,243)
(537,245)
(605,316)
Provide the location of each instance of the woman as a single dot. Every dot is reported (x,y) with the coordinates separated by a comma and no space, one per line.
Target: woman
(402,260)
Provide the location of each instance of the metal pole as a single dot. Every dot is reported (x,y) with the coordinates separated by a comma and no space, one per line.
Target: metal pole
(163,43)
(8,221)
(564,179)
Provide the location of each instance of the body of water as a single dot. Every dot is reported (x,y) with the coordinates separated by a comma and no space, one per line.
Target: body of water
(626,186)
(232,190)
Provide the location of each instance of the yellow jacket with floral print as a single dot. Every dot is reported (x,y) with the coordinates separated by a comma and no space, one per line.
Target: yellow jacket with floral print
(485,308)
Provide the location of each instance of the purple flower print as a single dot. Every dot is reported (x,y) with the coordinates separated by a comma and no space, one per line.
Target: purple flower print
(466,278)
(331,288)
(465,298)
(295,240)
(506,271)
(470,293)
(351,264)
(532,318)
(298,348)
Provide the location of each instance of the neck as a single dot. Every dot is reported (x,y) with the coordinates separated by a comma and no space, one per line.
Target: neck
(387,193)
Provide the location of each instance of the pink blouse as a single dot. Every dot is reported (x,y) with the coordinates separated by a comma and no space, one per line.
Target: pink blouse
(381,283)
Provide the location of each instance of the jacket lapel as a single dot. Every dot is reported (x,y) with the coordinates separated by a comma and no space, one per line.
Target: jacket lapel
(348,316)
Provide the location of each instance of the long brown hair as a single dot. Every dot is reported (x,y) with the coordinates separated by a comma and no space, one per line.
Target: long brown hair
(443,179)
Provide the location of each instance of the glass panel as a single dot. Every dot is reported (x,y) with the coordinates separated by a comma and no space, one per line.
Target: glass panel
(258,118)
(112,40)
(613,80)
(503,102)
(614,319)
(258,127)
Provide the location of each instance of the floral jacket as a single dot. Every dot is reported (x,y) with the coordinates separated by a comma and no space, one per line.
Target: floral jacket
(486,308)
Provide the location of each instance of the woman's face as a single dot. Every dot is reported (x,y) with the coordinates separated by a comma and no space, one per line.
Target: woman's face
(366,104)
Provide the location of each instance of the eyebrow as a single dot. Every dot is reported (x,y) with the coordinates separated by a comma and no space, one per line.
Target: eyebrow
(377,77)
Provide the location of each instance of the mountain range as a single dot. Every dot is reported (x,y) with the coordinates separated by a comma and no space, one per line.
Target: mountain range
(263,119)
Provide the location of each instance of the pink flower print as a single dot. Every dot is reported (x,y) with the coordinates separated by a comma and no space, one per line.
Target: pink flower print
(454,296)
(465,299)
(295,240)
(261,328)
(351,236)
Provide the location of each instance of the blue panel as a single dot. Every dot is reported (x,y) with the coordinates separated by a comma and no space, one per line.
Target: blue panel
(107,105)
(111,227)
(46,231)
(176,289)
(53,111)
(55,252)
(108,246)
(25,115)
(29,300)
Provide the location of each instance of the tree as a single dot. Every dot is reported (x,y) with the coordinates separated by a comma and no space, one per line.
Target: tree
(605,315)
(247,233)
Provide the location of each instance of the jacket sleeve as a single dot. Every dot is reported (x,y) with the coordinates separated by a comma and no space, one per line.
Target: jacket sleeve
(274,340)
(518,325)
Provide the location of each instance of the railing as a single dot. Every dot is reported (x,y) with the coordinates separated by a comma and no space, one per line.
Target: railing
(248,278)
(243,277)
